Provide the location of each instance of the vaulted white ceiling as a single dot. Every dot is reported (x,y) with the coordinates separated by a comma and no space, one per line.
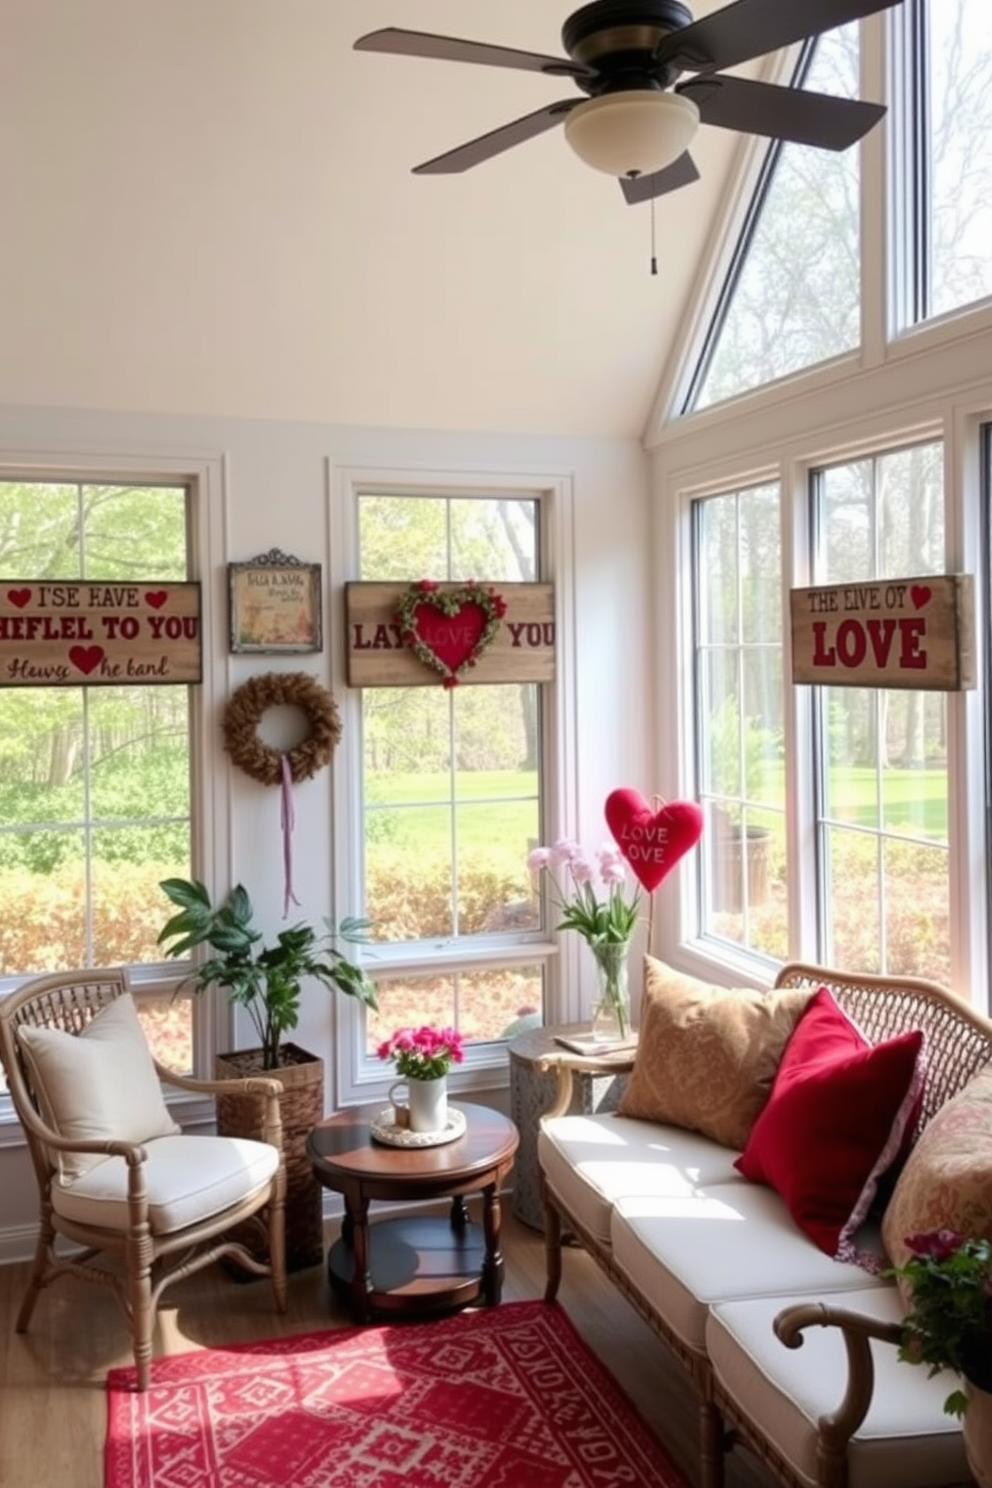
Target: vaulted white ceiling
(207,207)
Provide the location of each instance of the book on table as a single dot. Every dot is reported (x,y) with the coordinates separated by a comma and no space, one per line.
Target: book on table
(594,1048)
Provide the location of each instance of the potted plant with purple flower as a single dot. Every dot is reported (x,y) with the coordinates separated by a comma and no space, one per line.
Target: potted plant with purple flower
(949,1326)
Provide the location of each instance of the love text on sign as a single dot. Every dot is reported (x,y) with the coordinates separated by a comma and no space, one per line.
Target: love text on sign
(523,649)
(916,634)
(94,633)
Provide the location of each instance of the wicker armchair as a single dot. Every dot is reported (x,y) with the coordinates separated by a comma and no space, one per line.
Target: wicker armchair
(148,1204)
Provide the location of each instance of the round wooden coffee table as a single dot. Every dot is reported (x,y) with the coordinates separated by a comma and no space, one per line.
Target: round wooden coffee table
(414,1264)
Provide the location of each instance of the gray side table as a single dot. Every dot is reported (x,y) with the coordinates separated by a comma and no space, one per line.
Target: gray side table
(532,1093)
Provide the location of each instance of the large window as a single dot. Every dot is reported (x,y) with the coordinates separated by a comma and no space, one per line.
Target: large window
(452,789)
(844,824)
(792,295)
(878,872)
(943,120)
(94,781)
(883,798)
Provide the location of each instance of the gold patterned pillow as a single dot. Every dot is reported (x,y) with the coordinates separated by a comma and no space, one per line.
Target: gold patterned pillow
(946,1183)
(707,1056)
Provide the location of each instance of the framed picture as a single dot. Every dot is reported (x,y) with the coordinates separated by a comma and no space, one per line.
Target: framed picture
(275,604)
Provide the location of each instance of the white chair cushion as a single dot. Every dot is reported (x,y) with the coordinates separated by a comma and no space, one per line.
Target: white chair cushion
(592,1161)
(98,1084)
(905,1441)
(723,1241)
(188,1179)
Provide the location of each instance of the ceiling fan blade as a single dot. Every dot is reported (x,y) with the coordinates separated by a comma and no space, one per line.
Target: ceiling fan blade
(751,28)
(474,152)
(792,114)
(681,172)
(453,49)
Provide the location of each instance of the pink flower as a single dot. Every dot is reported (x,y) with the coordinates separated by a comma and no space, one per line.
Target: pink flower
(612,867)
(423,1053)
(937,1245)
(598,917)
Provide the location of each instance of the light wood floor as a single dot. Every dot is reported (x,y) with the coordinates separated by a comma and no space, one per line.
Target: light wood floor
(52,1399)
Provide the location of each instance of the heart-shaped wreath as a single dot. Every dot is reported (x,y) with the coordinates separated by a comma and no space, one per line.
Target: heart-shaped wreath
(448,629)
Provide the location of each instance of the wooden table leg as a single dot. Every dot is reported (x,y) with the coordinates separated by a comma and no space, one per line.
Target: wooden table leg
(459,1213)
(492,1265)
(355,1230)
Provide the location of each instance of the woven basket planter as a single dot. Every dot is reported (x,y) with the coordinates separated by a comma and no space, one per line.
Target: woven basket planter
(301,1106)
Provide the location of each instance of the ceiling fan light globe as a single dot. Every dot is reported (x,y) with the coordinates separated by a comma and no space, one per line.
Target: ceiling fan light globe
(633,133)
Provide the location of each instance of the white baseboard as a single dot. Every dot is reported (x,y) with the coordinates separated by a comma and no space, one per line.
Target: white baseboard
(17,1243)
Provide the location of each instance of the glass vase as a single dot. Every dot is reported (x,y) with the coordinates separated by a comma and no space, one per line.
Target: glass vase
(611,1009)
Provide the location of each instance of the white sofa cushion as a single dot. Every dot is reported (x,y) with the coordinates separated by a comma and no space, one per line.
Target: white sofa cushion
(592,1161)
(99,1084)
(905,1441)
(187,1178)
(721,1241)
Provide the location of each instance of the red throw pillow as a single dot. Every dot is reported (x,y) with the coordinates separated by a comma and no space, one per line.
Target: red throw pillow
(840,1113)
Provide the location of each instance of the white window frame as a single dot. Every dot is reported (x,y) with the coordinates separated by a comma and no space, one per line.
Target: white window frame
(358,1077)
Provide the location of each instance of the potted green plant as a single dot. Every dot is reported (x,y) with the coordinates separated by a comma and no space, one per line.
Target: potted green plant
(266,979)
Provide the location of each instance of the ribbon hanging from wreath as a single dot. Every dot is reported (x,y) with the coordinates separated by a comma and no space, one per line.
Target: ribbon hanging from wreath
(242,715)
(447,628)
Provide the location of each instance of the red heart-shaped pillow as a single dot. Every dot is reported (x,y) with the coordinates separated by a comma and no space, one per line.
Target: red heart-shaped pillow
(652,841)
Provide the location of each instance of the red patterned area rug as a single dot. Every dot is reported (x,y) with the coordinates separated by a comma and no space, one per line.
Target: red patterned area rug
(505,1397)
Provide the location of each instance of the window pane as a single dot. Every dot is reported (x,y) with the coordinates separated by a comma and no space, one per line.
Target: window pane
(794,298)
(960,158)
(168,1027)
(884,809)
(737,574)
(484,1005)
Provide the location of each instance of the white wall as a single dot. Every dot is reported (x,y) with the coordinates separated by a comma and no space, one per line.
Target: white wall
(270,484)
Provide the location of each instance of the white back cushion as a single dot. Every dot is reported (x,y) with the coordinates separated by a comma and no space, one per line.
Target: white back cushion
(100,1083)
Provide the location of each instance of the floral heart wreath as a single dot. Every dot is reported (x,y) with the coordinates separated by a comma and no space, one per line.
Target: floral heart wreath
(449,629)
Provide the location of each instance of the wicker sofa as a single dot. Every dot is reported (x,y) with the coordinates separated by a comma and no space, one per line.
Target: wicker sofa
(722,1273)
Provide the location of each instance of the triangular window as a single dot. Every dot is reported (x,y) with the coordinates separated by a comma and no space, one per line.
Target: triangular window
(791,297)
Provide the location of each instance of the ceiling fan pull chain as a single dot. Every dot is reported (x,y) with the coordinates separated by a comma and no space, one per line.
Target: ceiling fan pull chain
(654,254)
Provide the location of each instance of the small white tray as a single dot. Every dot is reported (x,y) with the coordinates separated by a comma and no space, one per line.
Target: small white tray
(385,1129)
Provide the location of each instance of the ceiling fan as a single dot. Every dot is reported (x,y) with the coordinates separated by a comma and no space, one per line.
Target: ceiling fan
(637,120)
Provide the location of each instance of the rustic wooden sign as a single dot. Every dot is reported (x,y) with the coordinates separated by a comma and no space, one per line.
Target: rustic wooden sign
(522,650)
(916,634)
(97,633)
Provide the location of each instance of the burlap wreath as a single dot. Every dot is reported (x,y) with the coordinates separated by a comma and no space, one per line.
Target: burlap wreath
(245,708)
